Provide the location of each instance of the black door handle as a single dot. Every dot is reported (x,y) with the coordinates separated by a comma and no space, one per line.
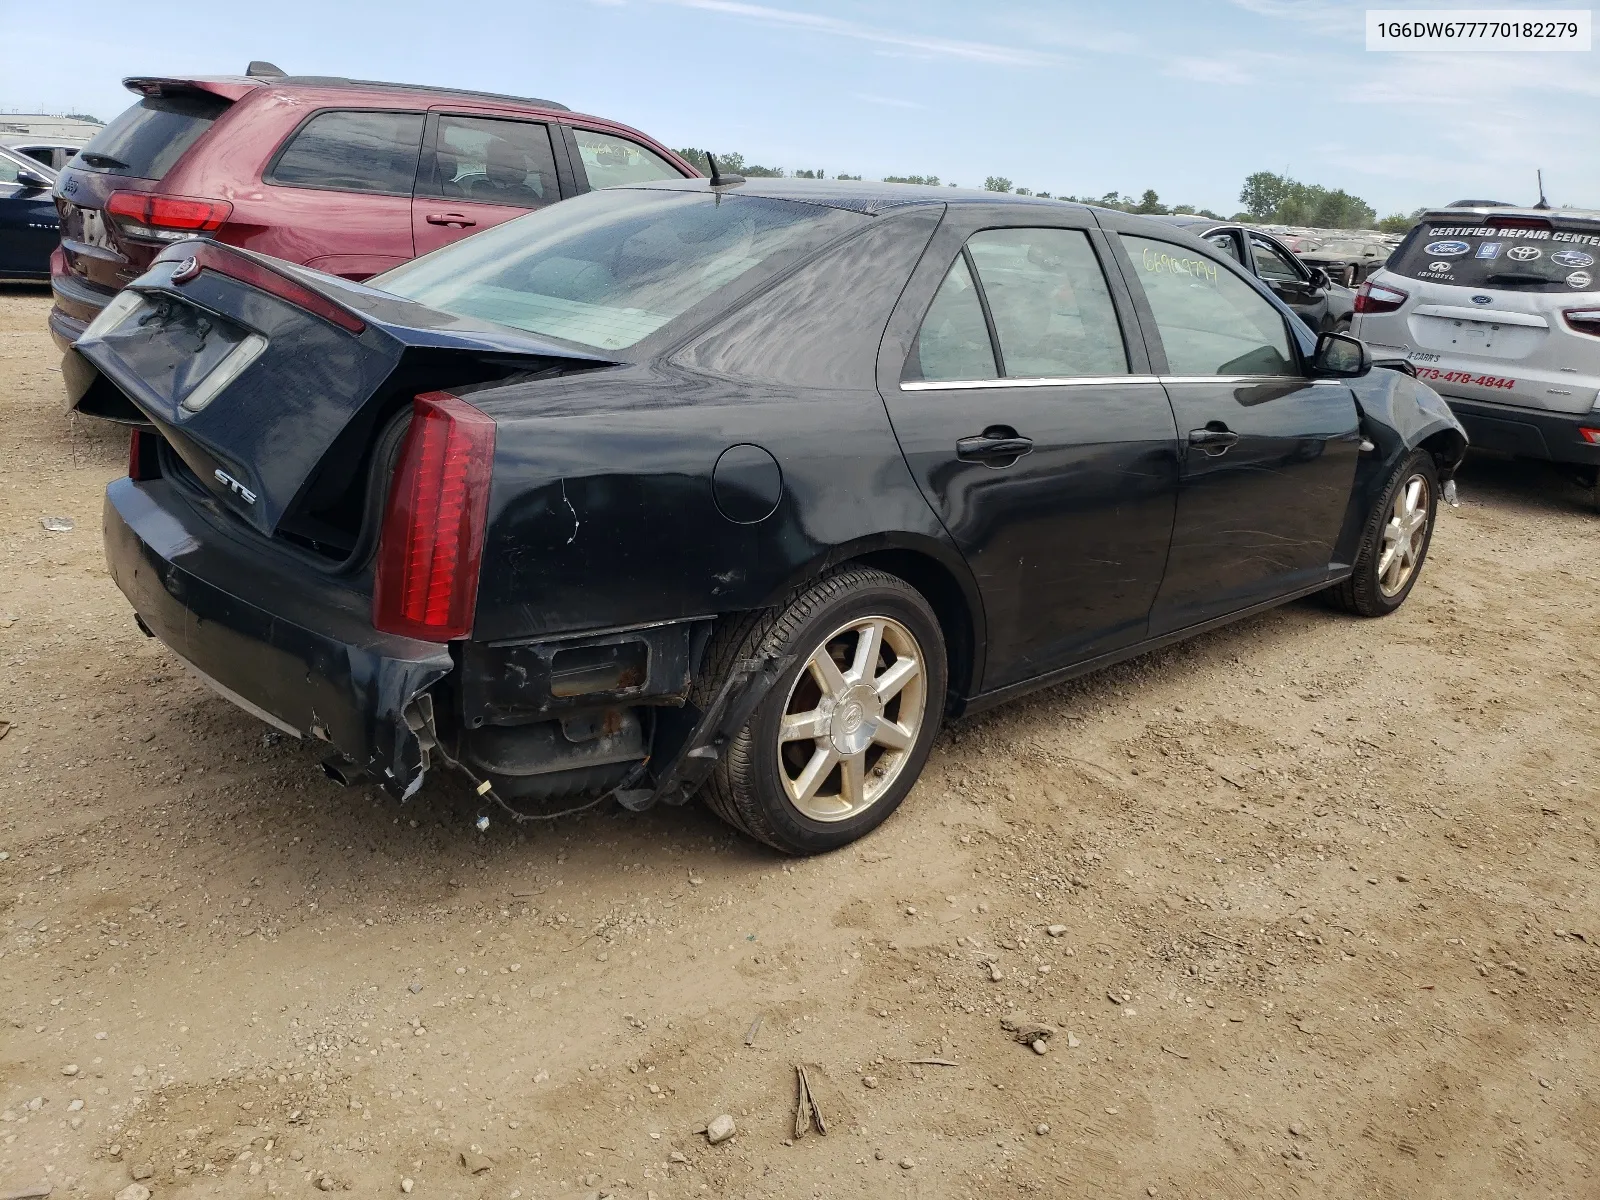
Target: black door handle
(999,445)
(1214,439)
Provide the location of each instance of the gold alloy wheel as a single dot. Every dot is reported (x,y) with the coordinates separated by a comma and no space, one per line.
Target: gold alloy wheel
(852,718)
(1404,536)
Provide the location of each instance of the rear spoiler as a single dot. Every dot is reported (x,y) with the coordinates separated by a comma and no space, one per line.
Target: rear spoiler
(229,87)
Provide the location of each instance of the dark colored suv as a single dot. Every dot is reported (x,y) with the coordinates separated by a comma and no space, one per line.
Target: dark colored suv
(346,176)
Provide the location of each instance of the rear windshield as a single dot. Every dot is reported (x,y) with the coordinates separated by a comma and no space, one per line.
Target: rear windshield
(608,269)
(149,137)
(1527,254)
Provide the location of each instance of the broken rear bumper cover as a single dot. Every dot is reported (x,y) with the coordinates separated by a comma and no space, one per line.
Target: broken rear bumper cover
(300,651)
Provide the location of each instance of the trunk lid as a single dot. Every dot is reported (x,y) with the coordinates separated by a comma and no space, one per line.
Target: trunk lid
(272,382)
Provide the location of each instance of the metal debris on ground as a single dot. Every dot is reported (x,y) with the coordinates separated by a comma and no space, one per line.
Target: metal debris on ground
(807,1112)
(929,1062)
(58,524)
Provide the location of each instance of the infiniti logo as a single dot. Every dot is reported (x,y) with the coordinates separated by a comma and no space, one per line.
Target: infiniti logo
(233,485)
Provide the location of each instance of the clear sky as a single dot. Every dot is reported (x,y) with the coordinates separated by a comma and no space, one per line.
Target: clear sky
(1070,96)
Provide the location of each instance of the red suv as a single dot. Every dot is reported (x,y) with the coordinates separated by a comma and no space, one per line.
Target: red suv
(346,176)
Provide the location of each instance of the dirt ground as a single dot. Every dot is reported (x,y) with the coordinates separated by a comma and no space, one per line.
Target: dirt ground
(1328,889)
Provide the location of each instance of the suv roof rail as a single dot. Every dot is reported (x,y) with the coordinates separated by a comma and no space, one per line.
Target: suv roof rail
(341,81)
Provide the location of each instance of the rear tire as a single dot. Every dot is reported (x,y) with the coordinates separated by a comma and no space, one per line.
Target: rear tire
(1394,541)
(842,737)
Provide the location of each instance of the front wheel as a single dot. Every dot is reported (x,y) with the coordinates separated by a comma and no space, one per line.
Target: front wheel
(841,738)
(1394,541)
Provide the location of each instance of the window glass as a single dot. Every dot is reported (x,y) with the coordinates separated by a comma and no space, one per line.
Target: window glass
(611,268)
(354,152)
(495,162)
(9,168)
(1052,310)
(1519,254)
(1271,262)
(953,342)
(610,160)
(149,137)
(1226,243)
(1211,322)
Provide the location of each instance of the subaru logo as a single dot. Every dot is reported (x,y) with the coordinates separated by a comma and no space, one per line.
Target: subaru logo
(1483,299)
(187,270)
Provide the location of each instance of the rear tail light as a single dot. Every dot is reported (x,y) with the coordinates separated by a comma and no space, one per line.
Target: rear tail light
(1584,320)
(1375,298)
(142,460)
(1592,436)
(433,526)
(166,218)
(212,257)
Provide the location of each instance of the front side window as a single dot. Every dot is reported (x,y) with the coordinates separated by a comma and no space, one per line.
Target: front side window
(354,152)
(609,269)
(1273,263)
(494,162)
(1051,307)
(609,160)
(1211,322)
(953,342)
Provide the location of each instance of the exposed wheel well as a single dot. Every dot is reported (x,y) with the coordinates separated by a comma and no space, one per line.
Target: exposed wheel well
(1447,446)
(944,594)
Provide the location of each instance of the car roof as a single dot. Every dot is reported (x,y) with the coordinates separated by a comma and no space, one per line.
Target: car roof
(1454,214)
(235,86)
(1186,220)
(857,195)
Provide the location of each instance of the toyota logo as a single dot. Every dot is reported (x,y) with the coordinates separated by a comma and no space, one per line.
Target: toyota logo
(1524,253)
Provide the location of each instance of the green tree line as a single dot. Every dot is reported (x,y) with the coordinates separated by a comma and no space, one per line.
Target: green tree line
(1268,198)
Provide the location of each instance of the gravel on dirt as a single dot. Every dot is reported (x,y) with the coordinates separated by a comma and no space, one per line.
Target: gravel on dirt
(271,985)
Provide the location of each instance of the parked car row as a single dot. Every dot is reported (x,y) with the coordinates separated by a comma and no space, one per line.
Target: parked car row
(688,487)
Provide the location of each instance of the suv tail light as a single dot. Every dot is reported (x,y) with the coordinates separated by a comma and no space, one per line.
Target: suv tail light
(166,218)
(1584,320)
(142,461)
(1375,298)
(433,525)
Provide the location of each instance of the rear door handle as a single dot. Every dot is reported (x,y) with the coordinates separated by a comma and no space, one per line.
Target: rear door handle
(459,220)
(1214,439)
(999,445)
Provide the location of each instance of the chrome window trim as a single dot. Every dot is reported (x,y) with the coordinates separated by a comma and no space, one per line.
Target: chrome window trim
(947,385)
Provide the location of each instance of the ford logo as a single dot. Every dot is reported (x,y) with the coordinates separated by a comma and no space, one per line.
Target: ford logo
(1450,249)
(1483,299)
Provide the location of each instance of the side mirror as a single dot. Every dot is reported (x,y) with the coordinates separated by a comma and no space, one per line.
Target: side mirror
(1319,277)
(1340,356)
(32,180)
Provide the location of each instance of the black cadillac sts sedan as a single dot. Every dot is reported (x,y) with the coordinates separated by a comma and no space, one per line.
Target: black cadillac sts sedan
(735,490)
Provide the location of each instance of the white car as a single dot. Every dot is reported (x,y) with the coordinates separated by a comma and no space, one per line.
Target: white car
(1498,309)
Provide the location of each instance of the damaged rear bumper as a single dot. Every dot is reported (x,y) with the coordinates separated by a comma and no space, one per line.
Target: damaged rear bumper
(280,640)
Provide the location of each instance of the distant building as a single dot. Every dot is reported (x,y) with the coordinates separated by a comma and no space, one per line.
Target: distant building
(45,127)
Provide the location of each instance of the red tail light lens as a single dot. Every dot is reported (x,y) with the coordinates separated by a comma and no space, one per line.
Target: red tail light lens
(432,538)
(1584,320)
(142,461)
(1375,298)
(162,213)
(1592,436)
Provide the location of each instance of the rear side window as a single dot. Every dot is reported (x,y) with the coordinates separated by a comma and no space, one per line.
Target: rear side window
(1524,254)
(1052,310)
(610,160)
(1211,322)
(953,342)
(353,152)
(148,138)
(494,162)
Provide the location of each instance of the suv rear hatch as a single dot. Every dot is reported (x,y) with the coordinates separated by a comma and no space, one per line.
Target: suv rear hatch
(111,224)
(1504,308)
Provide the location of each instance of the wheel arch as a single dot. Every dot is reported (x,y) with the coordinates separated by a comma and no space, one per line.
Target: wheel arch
(940,575)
